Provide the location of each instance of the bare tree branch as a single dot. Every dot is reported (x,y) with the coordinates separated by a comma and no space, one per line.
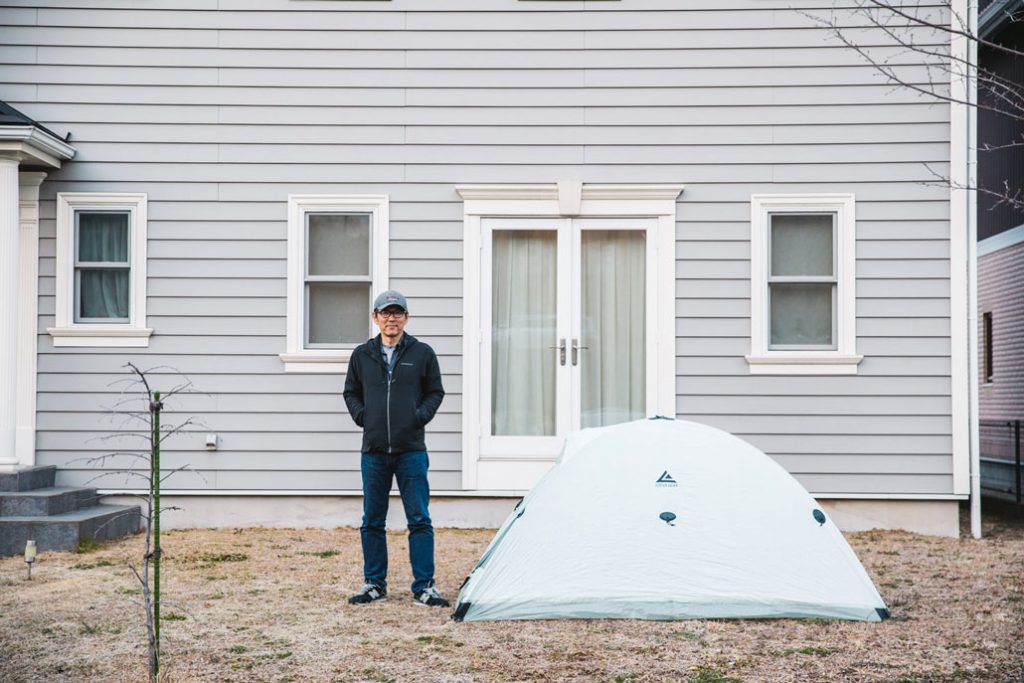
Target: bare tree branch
(1008,197)
(911,29)
(963,32)
(149,470)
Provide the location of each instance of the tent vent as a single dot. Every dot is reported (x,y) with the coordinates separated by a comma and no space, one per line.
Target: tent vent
(883,613)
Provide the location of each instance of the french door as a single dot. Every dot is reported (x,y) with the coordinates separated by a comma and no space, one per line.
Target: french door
(567,329)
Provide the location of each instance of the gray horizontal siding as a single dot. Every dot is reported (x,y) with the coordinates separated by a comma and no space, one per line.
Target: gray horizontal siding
(218,109)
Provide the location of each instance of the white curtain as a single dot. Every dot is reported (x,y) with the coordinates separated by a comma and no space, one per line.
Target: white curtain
(102,291)
(523,310)
(613,367)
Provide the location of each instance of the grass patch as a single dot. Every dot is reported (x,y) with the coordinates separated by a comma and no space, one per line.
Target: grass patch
(213,558)
(444,642)
(88,545)
(88,629)
(710,674)
(93,565)
(276,655)
(810,650)
(173,616)
(322,553)
(689,635)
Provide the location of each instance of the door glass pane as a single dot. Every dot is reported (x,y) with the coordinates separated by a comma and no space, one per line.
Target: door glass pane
(338,313)
(523,332)
(801,314)
(801,244)
(613,367)
(339,244)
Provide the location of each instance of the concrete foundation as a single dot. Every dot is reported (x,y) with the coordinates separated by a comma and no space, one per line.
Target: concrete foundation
(937,518)
(931,517)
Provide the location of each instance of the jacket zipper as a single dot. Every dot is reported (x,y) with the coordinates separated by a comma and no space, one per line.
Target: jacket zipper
(390,367)
(388,412)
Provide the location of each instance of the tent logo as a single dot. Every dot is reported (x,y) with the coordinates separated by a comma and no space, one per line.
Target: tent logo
(666,480)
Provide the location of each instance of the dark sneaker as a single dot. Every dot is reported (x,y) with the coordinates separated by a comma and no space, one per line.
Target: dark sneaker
(369,593)
(431,598)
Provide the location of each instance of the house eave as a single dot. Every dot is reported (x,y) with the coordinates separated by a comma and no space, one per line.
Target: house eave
(996,15)
(34,146)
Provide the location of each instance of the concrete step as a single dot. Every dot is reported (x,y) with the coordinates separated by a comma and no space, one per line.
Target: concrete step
(28,478)
(53,500)
(64,531)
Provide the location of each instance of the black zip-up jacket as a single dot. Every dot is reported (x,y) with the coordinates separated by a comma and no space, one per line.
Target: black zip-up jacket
(393,407)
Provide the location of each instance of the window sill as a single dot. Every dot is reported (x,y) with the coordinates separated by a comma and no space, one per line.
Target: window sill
(101,336)
(324,362)
(796,363)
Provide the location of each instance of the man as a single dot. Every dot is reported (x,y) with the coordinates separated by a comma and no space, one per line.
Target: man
(392,391)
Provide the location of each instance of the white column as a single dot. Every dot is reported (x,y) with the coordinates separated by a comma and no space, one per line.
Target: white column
(9,278)
(28,324)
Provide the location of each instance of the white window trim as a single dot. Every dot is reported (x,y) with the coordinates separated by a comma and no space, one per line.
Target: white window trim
(843,360)
(299,359)
(569,198)
(67,332)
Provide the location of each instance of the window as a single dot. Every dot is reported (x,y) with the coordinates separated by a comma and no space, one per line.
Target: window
(986,321)
(802,289)
(101,270)
(102,267)
(801,281)
(337,261)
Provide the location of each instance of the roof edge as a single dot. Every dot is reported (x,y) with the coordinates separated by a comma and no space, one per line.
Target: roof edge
(42,145)
(1001,240)
(996,15)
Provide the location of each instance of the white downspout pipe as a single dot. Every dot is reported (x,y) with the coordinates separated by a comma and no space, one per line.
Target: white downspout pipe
(972,269)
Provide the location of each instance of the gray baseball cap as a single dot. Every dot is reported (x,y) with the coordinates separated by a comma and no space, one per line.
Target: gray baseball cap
(390,298)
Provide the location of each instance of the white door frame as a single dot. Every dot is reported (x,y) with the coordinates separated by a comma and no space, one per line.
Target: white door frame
(567,199)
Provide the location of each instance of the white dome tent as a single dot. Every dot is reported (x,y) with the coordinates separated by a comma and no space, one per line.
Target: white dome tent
(667,519)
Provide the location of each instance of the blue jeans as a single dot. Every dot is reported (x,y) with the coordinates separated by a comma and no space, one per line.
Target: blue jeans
(410,469)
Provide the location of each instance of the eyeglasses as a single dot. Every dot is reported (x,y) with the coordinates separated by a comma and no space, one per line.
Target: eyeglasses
(391,315)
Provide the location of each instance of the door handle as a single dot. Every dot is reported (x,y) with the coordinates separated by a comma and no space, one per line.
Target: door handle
(561,351)
(576,348)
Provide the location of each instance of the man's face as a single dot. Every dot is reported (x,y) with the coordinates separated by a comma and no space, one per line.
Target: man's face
(391,321)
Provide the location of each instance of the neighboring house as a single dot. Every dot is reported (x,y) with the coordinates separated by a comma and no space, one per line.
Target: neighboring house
(599,211)
(1001,256)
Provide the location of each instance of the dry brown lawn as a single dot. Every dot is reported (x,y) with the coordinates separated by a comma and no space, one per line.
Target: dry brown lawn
(269,605)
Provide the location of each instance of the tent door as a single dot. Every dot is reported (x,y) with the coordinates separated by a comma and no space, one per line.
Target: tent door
(567,321)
